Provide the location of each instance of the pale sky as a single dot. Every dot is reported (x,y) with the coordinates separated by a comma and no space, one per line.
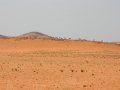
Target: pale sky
(86,19)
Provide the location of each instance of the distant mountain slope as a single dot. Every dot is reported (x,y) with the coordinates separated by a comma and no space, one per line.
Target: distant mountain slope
(117,42)
(35,35)
(2,36)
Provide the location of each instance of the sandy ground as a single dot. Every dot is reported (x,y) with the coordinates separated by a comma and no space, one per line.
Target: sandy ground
(58,65)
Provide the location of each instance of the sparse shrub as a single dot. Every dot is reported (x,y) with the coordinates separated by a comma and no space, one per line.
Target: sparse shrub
(35,72)
(93,74)
(15,69)
(61,70)
(82,70)
(84,85)
(72,70)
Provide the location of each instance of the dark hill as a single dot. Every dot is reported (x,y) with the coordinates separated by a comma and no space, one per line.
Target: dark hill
(2,36)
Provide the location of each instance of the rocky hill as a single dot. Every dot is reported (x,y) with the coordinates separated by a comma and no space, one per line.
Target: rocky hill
(35,35)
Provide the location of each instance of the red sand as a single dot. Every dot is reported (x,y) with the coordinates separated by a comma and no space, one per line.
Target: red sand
(58,65)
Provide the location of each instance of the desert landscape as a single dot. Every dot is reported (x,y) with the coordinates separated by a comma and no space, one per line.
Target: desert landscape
(35,61)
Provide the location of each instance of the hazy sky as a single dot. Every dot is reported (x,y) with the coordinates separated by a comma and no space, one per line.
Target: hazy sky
(89,19)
